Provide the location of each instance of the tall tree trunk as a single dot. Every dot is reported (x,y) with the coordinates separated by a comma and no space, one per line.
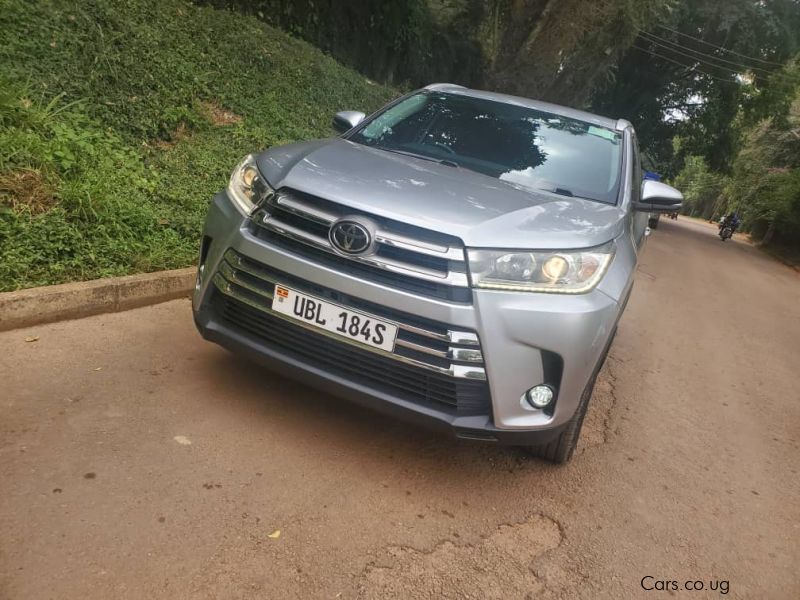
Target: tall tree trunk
(770,233)
(540,24)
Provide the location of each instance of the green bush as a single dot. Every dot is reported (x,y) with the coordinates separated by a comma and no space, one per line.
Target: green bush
(702,188)
(120,119)
(765,184)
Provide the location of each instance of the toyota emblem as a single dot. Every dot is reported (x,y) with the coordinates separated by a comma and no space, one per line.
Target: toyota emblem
(350,237)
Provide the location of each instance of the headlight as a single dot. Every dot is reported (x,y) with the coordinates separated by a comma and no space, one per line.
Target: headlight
(567,272)
(247,186)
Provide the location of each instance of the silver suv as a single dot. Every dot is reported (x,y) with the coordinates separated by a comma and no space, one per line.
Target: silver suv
(459,258)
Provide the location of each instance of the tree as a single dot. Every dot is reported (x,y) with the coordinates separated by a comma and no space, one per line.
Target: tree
(765,184)
(701,187)
(559,50)
(693,72)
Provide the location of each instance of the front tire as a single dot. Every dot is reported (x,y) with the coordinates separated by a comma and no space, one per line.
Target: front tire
(561,449)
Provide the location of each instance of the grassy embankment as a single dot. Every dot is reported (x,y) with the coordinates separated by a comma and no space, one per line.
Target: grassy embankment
(120,119)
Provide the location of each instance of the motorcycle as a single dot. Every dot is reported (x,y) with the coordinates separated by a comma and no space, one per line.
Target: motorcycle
(725,230)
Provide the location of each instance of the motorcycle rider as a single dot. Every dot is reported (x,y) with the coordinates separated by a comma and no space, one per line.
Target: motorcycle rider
(732,220)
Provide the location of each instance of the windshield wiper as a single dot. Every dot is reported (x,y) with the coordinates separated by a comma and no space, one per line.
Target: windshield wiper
(566,192)
(441,161)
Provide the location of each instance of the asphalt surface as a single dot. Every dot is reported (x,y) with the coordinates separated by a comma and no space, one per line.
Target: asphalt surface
(138,461)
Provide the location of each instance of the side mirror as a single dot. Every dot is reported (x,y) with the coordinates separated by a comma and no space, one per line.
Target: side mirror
(347,119)
(659,197)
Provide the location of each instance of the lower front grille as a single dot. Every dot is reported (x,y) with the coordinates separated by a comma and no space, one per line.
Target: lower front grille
(415,384)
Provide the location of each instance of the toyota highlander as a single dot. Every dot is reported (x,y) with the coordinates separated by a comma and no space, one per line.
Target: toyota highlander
(459,258)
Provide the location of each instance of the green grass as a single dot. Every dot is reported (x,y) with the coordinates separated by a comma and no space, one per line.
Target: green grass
(109,153)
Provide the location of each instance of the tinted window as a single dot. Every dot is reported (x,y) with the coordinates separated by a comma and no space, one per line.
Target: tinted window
(527,147)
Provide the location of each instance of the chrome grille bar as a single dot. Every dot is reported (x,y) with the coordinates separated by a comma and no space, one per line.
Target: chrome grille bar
(457,338)
(450,278)
(309,218)
(382,236)
(401,241)
(304,209)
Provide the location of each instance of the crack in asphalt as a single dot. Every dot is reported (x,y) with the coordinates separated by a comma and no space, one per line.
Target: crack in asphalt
(450,569)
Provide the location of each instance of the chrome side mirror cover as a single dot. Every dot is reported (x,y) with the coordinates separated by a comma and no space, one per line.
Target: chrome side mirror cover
(347,119)
(659,197)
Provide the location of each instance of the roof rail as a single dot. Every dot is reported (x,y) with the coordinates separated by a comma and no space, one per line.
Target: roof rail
(623,124)
(443,86)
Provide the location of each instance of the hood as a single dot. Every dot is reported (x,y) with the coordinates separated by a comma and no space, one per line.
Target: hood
(480,210)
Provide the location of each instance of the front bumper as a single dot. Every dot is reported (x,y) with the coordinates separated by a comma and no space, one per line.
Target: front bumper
(526,339)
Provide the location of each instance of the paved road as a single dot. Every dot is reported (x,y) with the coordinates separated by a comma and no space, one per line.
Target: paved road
(137,461)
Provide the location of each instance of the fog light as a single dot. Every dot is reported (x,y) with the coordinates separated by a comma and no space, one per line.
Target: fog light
(537,397)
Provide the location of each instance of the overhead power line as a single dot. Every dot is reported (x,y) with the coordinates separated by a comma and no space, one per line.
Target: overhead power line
(697,39)
(690,68)
(651,37)
(697,59)
(786,77)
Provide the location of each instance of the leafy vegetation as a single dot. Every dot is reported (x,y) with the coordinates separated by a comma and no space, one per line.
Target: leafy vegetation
(763,182)
(701,187)
(414,42)
(119,119)
(714,91)
(693,71)
(556,50)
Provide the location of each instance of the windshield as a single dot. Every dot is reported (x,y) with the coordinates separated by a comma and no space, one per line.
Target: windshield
(527,147)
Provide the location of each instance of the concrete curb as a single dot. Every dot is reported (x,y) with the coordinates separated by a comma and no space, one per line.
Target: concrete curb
(50,303)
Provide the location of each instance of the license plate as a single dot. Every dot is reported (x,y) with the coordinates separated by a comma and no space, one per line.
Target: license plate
(339,320)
